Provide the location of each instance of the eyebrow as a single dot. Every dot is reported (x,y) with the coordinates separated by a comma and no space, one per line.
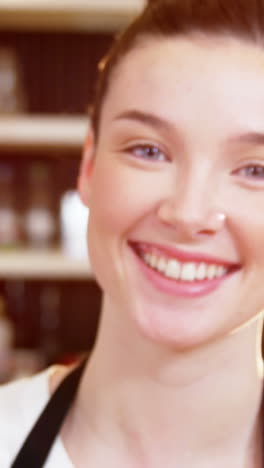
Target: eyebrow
(146,118)
(254,138)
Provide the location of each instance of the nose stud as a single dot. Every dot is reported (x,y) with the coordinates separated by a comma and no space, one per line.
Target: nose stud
(221,217)
(218,220)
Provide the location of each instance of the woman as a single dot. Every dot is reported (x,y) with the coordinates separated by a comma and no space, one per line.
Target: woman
(173,174)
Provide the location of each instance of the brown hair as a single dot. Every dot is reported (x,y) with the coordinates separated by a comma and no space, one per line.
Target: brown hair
(163,18)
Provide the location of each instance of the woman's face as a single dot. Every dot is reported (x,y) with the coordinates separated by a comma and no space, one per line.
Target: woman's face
(176,192)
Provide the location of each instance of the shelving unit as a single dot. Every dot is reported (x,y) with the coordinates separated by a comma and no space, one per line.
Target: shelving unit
(58,44)
(43,134)
(53,264)
(25,133)
(75,15)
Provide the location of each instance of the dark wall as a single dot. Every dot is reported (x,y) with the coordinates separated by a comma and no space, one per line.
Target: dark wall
(59,69)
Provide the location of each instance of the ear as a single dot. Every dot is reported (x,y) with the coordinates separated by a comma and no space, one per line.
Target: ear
(86,168)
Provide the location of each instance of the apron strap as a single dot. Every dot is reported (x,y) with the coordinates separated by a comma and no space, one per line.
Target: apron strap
(39,441)
(37,445)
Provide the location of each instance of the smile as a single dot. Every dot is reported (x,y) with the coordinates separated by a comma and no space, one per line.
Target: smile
(180,273)
(189,271)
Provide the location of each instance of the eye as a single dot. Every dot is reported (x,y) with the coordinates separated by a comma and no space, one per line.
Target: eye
(253,171)
(148,152)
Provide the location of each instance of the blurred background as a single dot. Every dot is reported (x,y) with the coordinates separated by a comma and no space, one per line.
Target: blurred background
(49,301)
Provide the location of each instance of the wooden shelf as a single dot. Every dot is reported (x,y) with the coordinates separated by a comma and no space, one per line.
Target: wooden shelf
(22,133)
(81,15)
(28,264)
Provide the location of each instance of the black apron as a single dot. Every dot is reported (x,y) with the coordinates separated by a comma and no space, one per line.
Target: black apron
(38,443)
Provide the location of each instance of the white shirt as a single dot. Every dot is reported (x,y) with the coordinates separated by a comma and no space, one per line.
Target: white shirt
(21,402)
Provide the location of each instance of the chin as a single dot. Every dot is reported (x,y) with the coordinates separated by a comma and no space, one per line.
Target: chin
(175,335)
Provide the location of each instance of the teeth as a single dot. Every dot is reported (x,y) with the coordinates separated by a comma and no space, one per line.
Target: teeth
(162,265)
(153,261)
(147,258)
(173,269)
(201,272)
(220,271)
(211,272)
(188,271)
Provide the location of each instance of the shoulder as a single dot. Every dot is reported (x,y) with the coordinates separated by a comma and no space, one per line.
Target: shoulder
(21,402)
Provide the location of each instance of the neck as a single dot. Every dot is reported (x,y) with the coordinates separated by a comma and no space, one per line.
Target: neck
(191,403)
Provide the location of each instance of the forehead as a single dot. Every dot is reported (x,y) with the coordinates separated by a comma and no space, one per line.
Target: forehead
(221,75)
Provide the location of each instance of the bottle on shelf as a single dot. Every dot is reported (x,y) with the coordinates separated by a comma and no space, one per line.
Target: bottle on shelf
(39,218)
(6,343)
(12,96)
(73,225)
(10,230)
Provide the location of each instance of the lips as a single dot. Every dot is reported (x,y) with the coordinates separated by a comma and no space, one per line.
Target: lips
(181,256)
(180,273)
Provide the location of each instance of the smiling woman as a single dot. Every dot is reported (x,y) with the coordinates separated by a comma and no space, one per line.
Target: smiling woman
(173,175)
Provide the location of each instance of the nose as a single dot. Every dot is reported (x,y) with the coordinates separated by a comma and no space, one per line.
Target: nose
(191,208)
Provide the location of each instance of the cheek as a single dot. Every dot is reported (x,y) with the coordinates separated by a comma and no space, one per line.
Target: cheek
(254,230)
(246,216)
(121,197)
(118,203)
